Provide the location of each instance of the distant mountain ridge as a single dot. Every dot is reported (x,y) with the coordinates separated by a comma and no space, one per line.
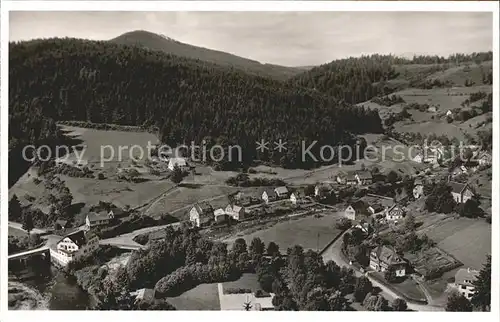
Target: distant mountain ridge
(152,41)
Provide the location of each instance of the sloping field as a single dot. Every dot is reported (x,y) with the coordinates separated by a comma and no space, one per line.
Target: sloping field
(203,297)
(468,240)
(117,146)
(458,74)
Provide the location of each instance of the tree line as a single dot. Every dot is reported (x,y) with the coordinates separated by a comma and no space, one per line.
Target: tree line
(187,100)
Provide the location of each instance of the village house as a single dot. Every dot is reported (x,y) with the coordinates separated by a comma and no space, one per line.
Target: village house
(458,171)
(297,198)
(268,195)
(364,178)
(461,192)
(144,294)
(483,158)
(236,212)
(375,209)
(179,162)
(350,213)
(220,216)
(73,245)
(281,192)
(418,189)
(395,213)
(103,218)
(383,257)
(348,178)
(464,281)
(323,190)
(449,113)
(201,214)
(432,109)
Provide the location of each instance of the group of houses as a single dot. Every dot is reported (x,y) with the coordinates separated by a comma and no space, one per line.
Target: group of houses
(104,217)
(355,178)
(384,207)
(203,213)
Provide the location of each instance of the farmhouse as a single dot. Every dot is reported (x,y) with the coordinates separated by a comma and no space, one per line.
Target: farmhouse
(297,198)
(74,245)
(460,192)
(102,218)
(429,155)
(144,294)
(268,195)
(395,213)
(464,279)
(375,208)
(201,214)
(383,257)
(484,158)
(281,192)
(180,162)
(348,178)
(350,213)
(236,212)
(220,216)
(449,113)
(364,178)
(323,190)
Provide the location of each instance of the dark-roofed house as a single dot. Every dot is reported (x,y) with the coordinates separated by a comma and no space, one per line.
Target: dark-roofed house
(364,178)
(395,213)
(73,245)
(348,178)
(297,198)
(236,212)
(269,195)
(220,216)
(281,192)
(383,257)
(464,281)
(323,190)
(102,218)
(201,214)
(461,192)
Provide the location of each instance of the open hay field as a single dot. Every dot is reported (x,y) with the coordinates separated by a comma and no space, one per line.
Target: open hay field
(468,240)
(309,232)
(121,193)
(118,146)
(203,297)
(179,201)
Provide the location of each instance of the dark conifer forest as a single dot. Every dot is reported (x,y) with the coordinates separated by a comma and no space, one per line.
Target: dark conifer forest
(188,100)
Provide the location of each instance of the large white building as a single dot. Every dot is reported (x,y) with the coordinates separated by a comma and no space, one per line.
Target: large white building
(73,245)
(464,279)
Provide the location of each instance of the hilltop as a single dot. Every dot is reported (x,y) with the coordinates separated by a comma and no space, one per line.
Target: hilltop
(152,41)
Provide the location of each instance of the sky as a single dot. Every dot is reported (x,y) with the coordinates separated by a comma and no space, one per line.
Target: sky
(284,38)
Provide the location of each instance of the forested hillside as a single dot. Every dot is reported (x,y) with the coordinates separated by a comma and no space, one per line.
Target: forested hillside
(149,40)
(188,100)
(358,80)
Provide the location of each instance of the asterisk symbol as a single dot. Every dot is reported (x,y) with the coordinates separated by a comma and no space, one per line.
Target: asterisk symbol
(280,145)
(262,145)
